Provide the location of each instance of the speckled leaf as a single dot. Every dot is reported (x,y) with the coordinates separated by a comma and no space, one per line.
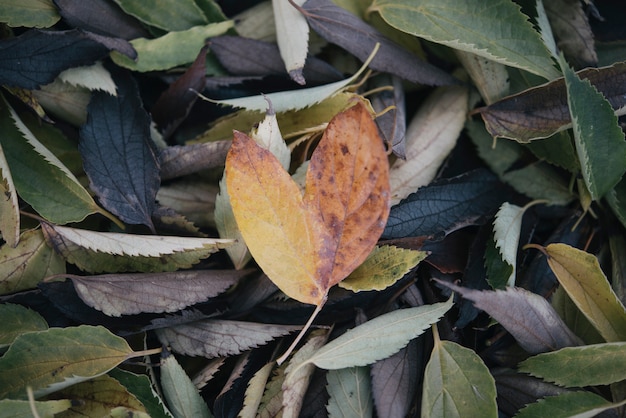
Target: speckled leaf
(350,393)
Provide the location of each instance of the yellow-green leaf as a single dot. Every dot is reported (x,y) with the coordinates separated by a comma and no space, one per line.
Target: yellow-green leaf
(29,13)
(10,408)
(16,320)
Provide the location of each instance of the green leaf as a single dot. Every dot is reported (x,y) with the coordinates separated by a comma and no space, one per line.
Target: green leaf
(40,177)
(24,266)
(574,318)
(182,396)
(171,50)
(16,320)
(350,393)
(163,15)
(378,338)
(568,405)
(29,13)
(56,358)
(382,268)
(498,270)
(617,201)
(540,181)
(141,387)
(589,365)
(506,232)
(497,29)
(10,408)
(580,275)
(457,384)
(9,205)
(557,150)
(598,137)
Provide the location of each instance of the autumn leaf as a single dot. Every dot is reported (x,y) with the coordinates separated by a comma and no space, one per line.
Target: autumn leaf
(306,244)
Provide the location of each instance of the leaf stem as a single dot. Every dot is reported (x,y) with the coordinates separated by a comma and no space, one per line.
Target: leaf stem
(303,331)
(144,353)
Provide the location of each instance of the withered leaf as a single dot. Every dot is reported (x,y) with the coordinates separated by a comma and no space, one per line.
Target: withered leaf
(446,205)
(542,111)
(570,25)
(118,155)
(342,28)
(219,337)
(100,16)
(174,104)
(36,57)
(180,160)
(128,294)
(392,123)
(528,317)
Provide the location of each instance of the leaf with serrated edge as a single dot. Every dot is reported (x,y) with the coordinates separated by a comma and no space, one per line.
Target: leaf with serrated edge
(298,374)
(161,15)
(24,266)
(382,268)
(24,409)
(128,294)
(430,136)
(350,392)
(497,30)
(519,311)
(581,276)
(254,392)
(506,232)
(292,35)
(182,396)
(9,206)
(220,337)
(57,358)
(378,338)
(599,139)
(589,365)
(93,77)
(141,387)
(457,384)
(490,77)
(16,320)
(578,404)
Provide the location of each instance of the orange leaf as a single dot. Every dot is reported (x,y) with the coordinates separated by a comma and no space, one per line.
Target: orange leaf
(307,245)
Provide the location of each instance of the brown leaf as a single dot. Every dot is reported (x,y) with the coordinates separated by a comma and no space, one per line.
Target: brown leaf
(542,111)
(180,160)
(570,25)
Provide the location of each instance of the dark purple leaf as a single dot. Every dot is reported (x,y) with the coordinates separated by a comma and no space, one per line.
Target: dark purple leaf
(100,16)
(528,317)
(243,56)
(174,104)
(340,27)
(36,57)
(118,155)
(446,205)
(181,160)
(128,294)
(392,123)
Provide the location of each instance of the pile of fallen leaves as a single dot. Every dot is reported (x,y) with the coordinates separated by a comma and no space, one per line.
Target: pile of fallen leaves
(304,208)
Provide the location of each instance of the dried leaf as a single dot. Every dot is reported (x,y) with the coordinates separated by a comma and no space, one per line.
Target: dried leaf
(181,395)
(292,35)
(498,30)
(254,392)
(392,123)
(541,111)
(219,337)
(580,275)
(570,25)
(350,393)
(457,383)
(118,155)
(180,160)
(527,316)
(446,205)
(342,28)
(29,13)
(9,206)
(490,78)
(430,137)
(58,357)
(114,252)
(346,194)
(128,294)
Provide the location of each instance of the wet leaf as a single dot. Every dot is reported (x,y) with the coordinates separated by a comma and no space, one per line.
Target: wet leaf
(23,409)
(128,294)
(292,35)
(378,338)
(457,383)
(342,28)
(527,316)
(181,395)
(16,320)
(346,181)
(37,57)
(541,111)
(113,252)
(218,337)
(382,268)
(350,393)
(599,139)
(29,13)
(430,137)
(580,275)
(24,266)
(478,28)
(445,206)
(579,404)
(589,365)
(118,155)
(58,357)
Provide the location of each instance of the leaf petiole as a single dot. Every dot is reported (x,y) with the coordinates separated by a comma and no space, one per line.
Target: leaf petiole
(306,327)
